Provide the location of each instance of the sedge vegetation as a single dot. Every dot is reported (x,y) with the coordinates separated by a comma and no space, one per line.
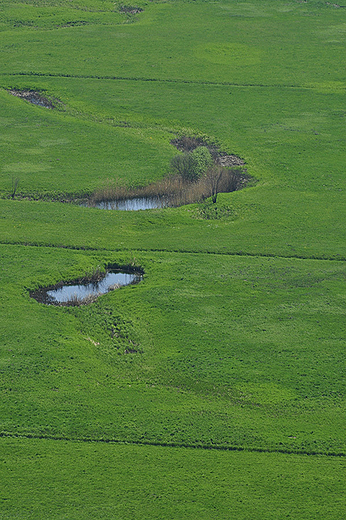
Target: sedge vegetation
(215,387)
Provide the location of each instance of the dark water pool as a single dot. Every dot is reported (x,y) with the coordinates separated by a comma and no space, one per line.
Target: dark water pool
(80,294)
(136,204)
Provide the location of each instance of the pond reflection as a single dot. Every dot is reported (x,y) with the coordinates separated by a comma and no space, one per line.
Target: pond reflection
(84,293)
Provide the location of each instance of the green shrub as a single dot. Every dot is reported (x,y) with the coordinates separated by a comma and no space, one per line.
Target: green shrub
(202,159)
(184,165)
(192,165)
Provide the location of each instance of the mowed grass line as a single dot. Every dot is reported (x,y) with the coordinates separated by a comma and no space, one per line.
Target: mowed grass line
(7,435)
(34,75)
(338,258)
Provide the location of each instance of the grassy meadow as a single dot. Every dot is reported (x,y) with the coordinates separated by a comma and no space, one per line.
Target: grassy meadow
(215,388)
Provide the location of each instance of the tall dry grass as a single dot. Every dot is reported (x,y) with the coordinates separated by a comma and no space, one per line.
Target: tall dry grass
(173,189)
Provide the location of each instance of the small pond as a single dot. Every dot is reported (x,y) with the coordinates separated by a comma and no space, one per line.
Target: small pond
(84,293)
(135,204)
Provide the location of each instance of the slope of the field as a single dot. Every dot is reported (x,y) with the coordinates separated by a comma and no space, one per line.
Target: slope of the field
(235,338)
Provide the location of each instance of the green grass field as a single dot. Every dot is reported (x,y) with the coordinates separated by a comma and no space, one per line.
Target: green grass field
(215,388)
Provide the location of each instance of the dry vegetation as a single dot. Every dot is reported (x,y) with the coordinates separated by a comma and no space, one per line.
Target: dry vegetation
(175,191)
(199,172)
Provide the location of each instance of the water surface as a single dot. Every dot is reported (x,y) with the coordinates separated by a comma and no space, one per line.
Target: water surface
(135,204)
(69,294)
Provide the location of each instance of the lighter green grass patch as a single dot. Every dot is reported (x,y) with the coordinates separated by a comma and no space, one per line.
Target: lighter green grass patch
(328,87)
(26,167)
(234,54)
(246,9)
(334,31)
(266,393)
(53,142)
(33,151)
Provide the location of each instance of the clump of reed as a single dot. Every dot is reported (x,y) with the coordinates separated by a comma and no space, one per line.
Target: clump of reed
(114,287)
(215,180)
(110,190)
(94,277)
(76,301)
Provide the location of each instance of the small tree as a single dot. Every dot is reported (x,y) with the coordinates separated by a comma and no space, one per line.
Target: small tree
(213,177)
(15,182)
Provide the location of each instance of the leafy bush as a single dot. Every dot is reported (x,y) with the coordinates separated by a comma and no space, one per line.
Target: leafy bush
(184,165)
(192,165)
(202,159)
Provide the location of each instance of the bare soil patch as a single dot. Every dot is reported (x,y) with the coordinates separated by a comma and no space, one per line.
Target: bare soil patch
(128,9)
(230,160)
(188,144)
(34,97)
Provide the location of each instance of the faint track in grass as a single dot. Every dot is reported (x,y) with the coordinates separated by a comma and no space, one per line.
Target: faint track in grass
(171,445)
(156,80)
(336,258)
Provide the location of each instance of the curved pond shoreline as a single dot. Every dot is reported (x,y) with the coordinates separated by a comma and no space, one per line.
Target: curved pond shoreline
(84,292)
